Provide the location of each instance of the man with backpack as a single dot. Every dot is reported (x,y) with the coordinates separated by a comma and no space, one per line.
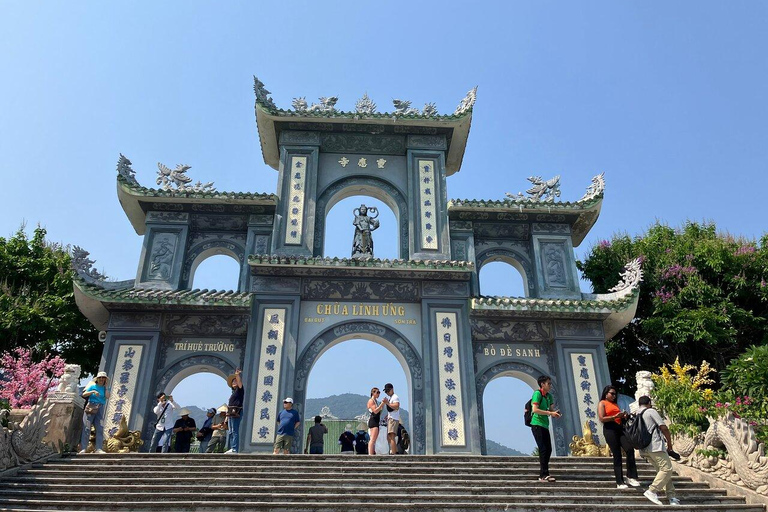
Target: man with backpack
(658,452)
(361,441)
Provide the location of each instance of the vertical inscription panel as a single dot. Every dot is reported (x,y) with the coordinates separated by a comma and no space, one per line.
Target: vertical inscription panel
(123,390)
(268,376)
(449,378)
(587,394)
(428,206)
(295,198)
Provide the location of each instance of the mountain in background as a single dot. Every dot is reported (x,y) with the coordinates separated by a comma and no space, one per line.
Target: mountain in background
(349,405)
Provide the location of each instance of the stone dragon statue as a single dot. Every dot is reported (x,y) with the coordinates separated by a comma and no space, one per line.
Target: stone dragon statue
(83,265)
(124,440)
(170,178)
(403,108)
(596,188)
(586,446)
(542,190)
(327,105)
(125,170)
(23,443)
(262,94)
(467,103)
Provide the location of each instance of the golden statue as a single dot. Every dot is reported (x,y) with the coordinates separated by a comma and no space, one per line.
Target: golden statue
(586,447)
(124,440)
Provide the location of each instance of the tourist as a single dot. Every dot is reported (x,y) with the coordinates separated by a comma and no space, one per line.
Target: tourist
(205,433)
(235,410)
(392,401)
(611,416)
(93,413)
(288,421)
(542,407)
(362,440)
(374,407)
(315,437)
(165,410)
(347,440)
(183,428)
(658,453)
(220,427)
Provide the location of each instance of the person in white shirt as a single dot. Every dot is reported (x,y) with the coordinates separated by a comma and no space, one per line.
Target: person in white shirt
(165,410)
(658,453)
(392,402)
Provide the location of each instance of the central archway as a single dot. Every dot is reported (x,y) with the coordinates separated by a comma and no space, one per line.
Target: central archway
(390,339)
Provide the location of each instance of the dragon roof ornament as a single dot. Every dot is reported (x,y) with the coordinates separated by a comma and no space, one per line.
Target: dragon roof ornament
(170,178)
(541,191)
(83,265)
(630,276)
(596,188)
(467,103)
(125,170)
(262,94)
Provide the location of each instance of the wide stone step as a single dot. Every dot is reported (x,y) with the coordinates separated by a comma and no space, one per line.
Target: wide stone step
(317,505)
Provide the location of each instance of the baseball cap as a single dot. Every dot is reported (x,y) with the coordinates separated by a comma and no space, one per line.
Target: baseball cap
(289,400)
(388,385)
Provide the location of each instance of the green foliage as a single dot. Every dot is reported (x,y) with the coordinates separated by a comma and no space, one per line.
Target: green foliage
(747,375)
(703,297)
(37,305)
(720,454)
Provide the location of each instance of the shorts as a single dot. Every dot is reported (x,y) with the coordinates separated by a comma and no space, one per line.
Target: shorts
(283,442)
(392,426)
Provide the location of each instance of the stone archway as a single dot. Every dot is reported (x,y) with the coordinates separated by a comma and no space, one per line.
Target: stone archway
(400,347)
(528,374)
(178,372)
(201,251)
(374,187)
(516,259)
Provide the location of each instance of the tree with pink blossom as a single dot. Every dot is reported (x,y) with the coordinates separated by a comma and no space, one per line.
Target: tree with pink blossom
(23,382)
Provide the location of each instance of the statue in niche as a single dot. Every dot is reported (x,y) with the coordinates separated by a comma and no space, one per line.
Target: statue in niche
(362,244)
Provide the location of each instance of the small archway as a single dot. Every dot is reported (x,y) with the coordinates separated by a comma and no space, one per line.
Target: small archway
(388,338)
(215,268)
(502,278)
(372,187)
(510,256)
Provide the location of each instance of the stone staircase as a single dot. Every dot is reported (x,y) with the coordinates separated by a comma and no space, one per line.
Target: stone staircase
(182,482)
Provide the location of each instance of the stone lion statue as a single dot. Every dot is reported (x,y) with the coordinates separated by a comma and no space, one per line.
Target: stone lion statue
(69,379)
(644,387)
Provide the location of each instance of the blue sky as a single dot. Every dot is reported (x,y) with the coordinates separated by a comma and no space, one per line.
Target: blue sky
(667,98)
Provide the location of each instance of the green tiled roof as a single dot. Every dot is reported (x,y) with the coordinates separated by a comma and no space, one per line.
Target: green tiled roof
(554,305)
(374,263)
(338,114)
(525,204)
(165,297)
(156,192)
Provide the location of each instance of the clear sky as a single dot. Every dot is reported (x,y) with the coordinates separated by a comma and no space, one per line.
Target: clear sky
(667,98)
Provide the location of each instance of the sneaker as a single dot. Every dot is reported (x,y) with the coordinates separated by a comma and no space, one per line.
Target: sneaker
(674,502)
(230,451)
(652,496)
(99,451)
(622,486)
(633,482)
(543,479)
(81,452)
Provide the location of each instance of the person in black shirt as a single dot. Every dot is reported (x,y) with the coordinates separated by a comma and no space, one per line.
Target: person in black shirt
(347,441)
(184,428)
(235,410)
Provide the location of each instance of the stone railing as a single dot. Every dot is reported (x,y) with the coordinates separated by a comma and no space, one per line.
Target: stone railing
(745,464)
(23,442)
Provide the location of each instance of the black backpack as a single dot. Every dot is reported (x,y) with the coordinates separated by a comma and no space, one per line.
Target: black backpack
(528,413)
(637,432)
(361,445)
(404,439)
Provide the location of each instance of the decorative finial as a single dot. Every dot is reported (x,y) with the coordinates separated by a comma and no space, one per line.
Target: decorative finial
(262,94)
(299,104)
(177,177)
(596,188)
(467,103)
(430,110)
(326,105)
(124,169)
(365,105)
(403,108)
(630,276)
(83,265)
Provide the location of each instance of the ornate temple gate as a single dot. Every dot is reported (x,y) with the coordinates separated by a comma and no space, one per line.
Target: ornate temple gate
(292,303)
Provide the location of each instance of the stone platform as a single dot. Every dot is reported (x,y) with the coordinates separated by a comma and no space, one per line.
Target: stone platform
(143,482)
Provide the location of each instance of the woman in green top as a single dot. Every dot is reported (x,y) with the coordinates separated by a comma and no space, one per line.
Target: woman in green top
(542,408)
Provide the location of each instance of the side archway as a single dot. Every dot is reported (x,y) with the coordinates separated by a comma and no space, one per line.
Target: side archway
(199,253)
(529,375)
(385,336)
(355,186)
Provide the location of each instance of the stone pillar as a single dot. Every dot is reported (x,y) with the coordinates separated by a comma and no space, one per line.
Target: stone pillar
(294,227)
(428,203)
(162,254)
(66,420)
(555,264)
(257,242)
